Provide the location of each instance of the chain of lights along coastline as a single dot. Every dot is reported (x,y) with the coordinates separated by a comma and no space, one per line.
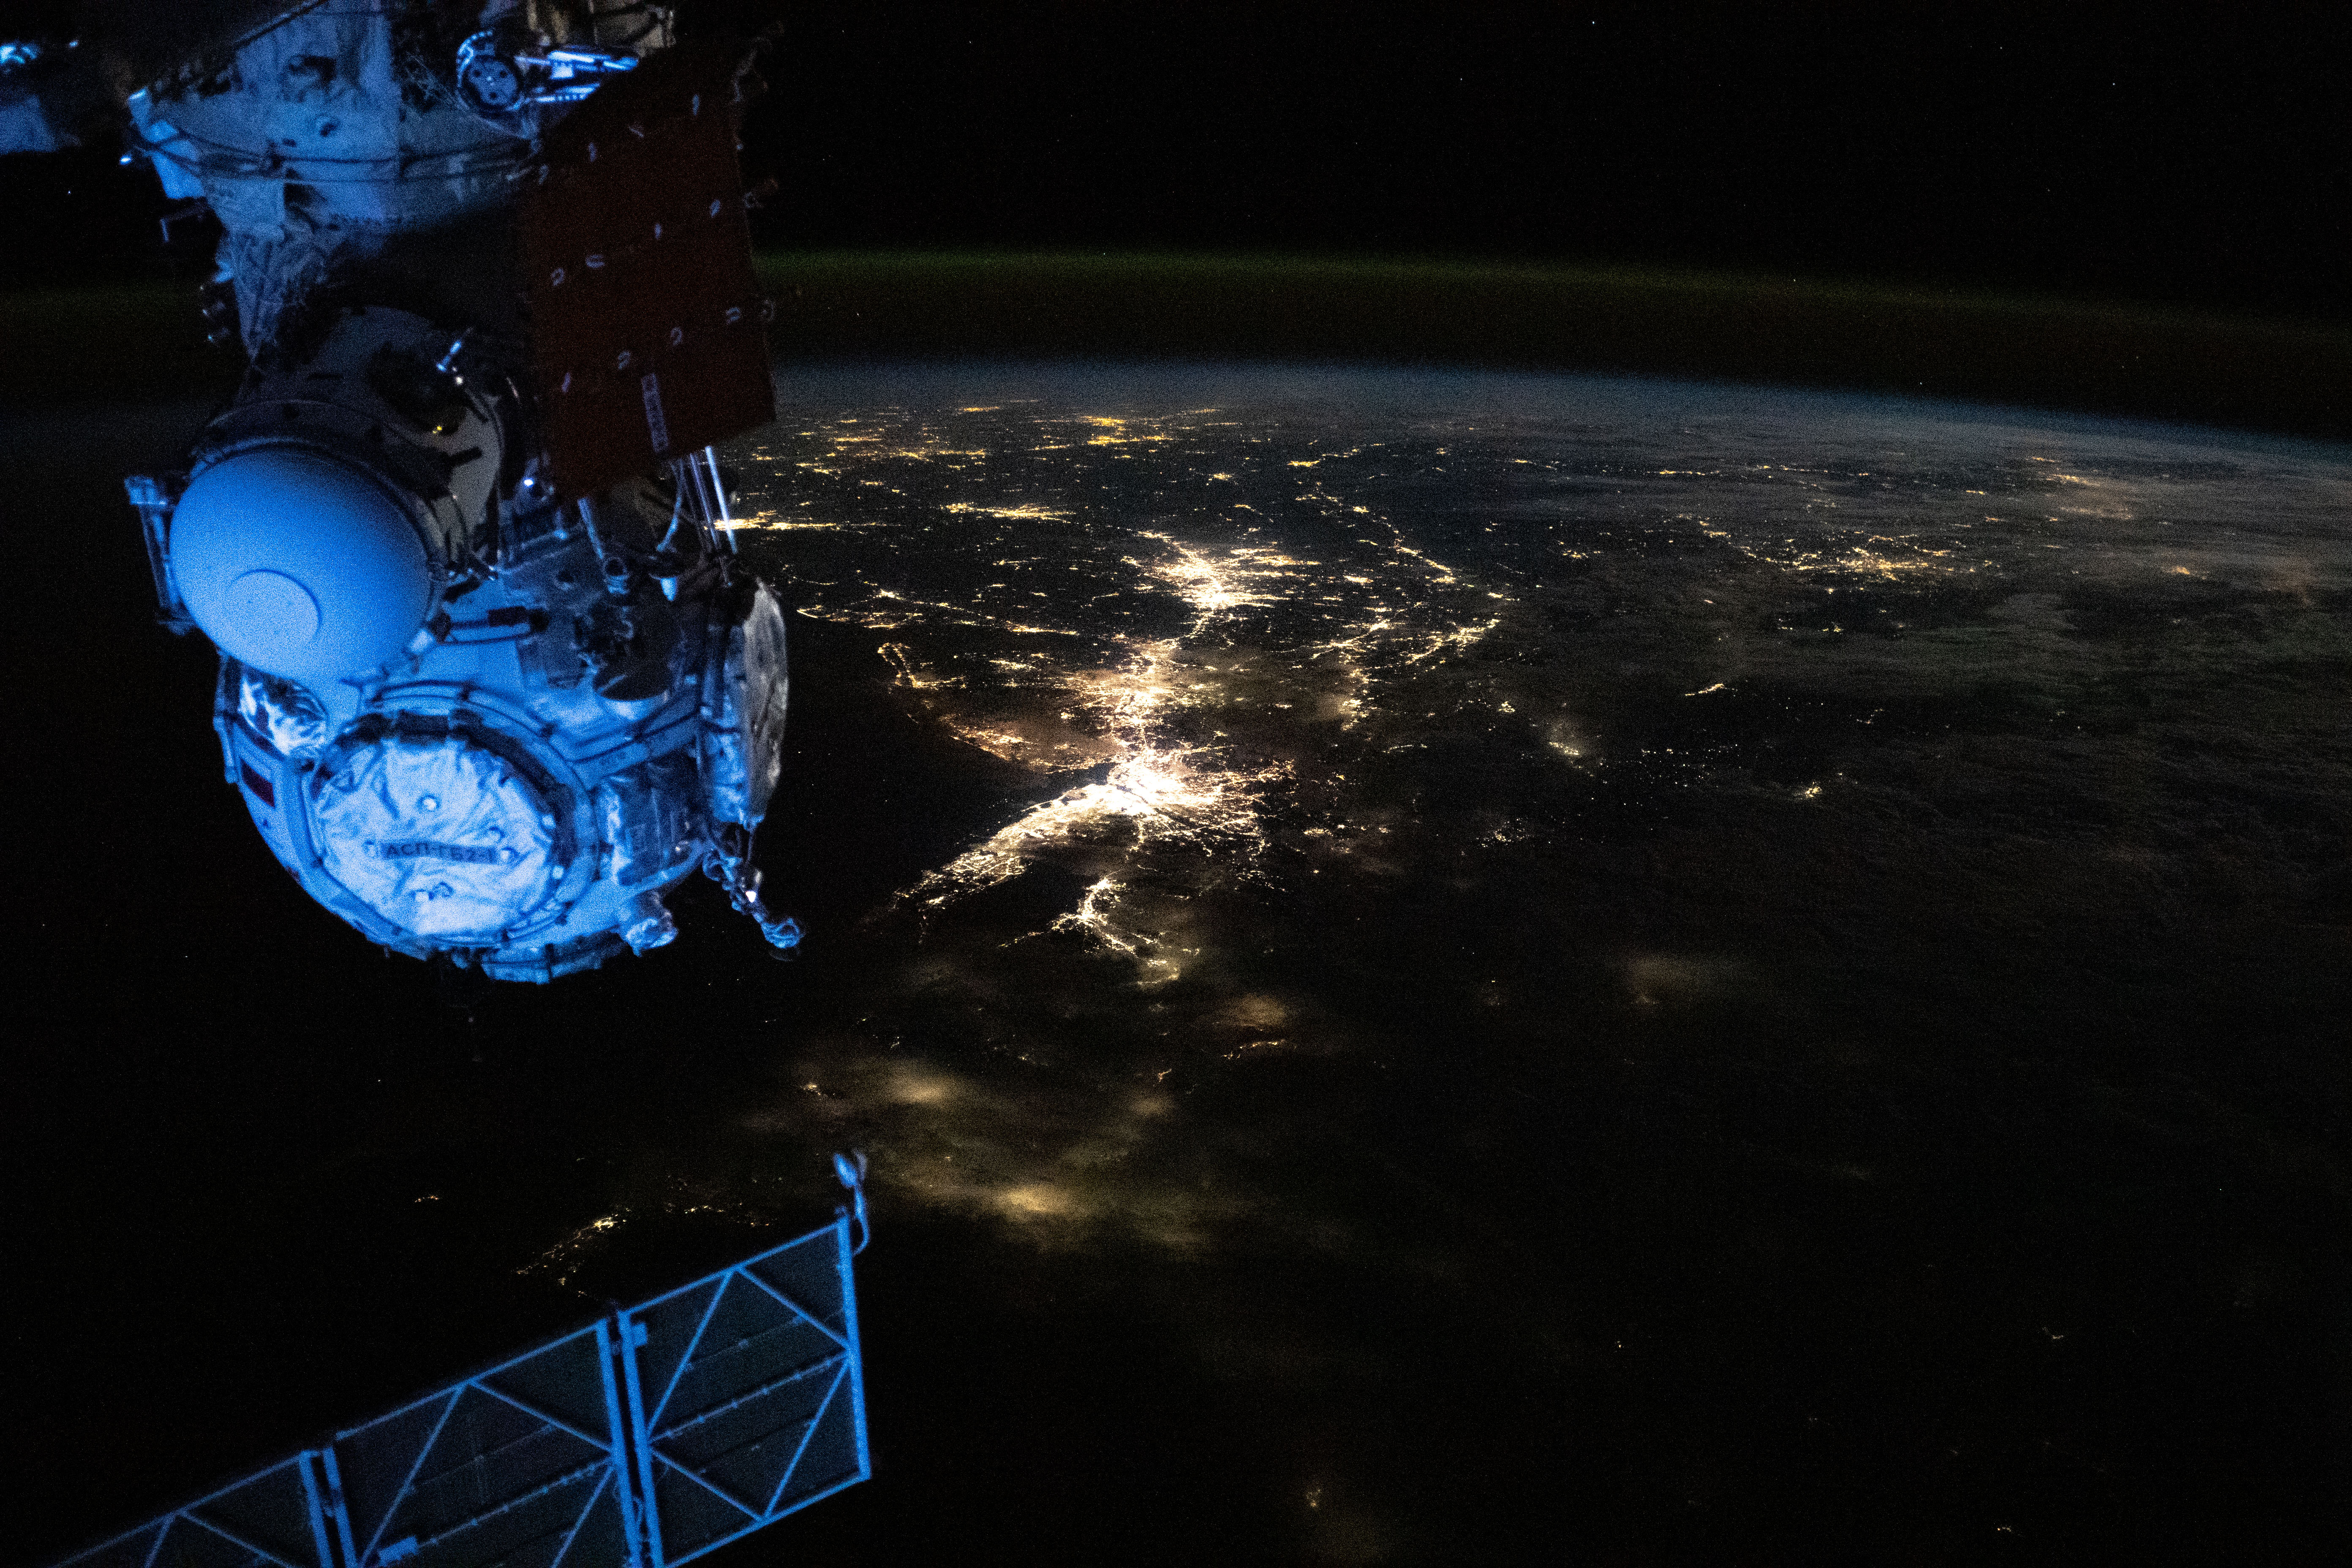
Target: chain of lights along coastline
(1259,647)
(1683,976)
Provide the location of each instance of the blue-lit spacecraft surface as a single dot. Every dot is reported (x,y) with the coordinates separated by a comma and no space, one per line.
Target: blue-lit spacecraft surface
(657,1434)
(493,679)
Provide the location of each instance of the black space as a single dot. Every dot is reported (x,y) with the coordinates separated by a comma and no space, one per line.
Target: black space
(210,1080)
(2175,153)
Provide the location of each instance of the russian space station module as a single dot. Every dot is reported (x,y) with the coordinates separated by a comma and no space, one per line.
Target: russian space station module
(492,678)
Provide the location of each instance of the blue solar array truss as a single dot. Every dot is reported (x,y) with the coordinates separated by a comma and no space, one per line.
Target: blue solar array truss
(645,1439)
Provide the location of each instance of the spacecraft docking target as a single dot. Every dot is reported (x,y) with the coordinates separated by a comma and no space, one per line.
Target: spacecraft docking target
(493,679)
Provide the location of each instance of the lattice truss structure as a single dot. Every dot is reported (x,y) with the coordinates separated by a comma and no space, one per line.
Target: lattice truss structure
(647,1438)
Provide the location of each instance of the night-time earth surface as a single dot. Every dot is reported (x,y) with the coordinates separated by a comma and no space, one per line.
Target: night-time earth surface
(1431,966)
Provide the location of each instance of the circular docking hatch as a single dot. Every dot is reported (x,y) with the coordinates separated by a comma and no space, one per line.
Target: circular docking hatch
(439,836)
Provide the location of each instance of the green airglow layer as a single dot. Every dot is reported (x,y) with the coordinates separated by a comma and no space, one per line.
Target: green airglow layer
(2288,375)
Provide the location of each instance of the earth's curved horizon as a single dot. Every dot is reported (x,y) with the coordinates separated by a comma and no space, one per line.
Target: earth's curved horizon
(1914,337)
(1432,964)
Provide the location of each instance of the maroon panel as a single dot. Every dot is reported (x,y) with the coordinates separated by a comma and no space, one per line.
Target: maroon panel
(647,339)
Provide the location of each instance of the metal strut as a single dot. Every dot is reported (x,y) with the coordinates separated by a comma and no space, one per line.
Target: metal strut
(730,865)
(645,1439)
(851,1169)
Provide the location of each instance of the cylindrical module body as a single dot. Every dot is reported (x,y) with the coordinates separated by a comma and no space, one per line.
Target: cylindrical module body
(472,716)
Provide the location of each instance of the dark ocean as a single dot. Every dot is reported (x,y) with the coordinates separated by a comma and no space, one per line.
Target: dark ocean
(1431,967)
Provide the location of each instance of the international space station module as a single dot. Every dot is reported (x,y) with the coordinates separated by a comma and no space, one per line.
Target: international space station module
(493,679)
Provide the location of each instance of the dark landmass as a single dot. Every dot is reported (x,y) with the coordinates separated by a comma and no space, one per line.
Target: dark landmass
(1677,1171)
